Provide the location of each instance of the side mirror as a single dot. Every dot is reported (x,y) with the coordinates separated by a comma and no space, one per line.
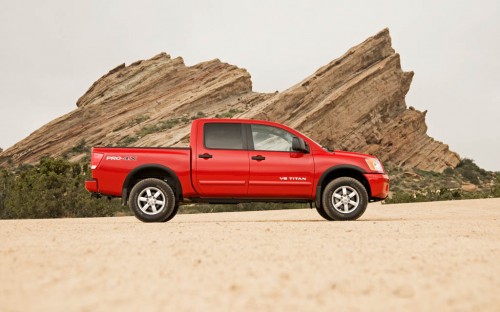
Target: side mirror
(298,145)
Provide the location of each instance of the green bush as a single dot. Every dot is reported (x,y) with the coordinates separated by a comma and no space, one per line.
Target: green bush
(448,171)
(80,147)
(471,172)
(496,188)
(471,176)
(52,189)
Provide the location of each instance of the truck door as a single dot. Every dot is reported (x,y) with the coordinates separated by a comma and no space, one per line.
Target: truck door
(275,170)
(222,164)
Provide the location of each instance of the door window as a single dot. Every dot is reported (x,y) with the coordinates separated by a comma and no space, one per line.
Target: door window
(268,138)
(223,136)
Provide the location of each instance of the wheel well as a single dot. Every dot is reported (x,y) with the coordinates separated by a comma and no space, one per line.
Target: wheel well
(337,173)
(157,172)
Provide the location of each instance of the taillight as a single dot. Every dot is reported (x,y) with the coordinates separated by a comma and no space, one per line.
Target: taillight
(96,159)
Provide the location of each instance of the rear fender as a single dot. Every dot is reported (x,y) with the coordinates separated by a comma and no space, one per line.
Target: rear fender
(151,171)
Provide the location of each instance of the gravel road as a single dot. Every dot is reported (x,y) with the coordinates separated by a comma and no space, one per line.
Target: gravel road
(441,256)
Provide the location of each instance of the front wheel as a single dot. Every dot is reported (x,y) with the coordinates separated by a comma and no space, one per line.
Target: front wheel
(345,199)
(152,200)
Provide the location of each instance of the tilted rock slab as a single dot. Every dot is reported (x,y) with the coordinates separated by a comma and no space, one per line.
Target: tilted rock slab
(356,102)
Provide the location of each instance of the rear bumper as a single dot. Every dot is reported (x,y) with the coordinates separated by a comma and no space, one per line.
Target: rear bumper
(91,185)
(379,185)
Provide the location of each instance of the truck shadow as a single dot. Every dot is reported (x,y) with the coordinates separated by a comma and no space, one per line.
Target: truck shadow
(294,221)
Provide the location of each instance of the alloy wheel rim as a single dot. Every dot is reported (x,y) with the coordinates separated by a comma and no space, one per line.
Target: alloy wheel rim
(345,199)
(151,201)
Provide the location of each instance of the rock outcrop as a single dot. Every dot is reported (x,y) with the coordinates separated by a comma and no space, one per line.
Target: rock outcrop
(356,102)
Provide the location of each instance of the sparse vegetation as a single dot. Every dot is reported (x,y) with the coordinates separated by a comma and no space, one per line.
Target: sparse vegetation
(128,140)
(420,185)
(81,147)
(435,195)
(160,126)
(132,123)
(229,114)
(198,115)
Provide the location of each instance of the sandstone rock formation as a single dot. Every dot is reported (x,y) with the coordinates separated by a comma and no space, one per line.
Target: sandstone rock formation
(356,102)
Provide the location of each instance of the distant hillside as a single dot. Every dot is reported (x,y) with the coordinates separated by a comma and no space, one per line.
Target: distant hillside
(356,102)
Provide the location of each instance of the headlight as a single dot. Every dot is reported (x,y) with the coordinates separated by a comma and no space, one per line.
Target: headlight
(374,165)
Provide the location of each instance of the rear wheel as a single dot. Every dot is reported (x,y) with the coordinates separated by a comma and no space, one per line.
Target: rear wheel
(345,199)
(152,200)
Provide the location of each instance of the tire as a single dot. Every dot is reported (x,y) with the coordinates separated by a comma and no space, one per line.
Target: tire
(345,199)
(152,200)
(322,213)
(172,215)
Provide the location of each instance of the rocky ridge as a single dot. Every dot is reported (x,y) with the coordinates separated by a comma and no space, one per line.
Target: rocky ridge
(356,102)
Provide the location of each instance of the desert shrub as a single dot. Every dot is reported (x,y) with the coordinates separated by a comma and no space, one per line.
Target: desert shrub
(229,114)
(472,172)
(128,140)
(471,176)
(495,191)
(400,197)
(437,195)
(54,188)
(5,184)
(448,171)
(80,147)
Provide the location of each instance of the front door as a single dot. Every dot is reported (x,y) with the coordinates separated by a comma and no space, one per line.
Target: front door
(222,164)
(275,170)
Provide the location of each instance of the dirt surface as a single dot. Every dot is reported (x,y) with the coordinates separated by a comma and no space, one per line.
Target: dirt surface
(442,256)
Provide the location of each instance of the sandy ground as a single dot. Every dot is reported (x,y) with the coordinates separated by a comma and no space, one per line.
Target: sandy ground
(441,256)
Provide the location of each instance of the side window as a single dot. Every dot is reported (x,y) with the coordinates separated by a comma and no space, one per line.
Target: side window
(223,136)
(267,138)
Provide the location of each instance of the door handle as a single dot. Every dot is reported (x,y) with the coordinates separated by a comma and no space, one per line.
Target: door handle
(258,157)
(205,156)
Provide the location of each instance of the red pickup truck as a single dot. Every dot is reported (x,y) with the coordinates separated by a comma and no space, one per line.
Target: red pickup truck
(234,161)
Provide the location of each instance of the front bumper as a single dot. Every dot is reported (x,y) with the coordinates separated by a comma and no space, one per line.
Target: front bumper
(379,185)
(91,185)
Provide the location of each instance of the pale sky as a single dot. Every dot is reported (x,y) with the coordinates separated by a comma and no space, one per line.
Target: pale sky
(52,51)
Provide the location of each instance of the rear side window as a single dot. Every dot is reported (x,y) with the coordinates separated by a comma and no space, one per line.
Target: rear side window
(223,136)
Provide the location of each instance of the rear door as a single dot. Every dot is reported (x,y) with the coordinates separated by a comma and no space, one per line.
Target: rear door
(275,170)
(222,163)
